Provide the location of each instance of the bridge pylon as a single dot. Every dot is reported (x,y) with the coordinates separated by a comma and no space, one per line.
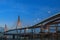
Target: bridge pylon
(5,29)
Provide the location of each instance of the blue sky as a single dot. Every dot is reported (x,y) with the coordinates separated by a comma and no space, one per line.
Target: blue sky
(30,11)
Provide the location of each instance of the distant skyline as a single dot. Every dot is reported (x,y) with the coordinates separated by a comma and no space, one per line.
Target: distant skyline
(30,11)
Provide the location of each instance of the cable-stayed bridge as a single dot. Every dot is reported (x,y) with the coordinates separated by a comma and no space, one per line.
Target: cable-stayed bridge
(48,29)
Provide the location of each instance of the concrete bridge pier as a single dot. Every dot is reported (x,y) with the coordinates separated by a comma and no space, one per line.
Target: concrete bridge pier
(13,37)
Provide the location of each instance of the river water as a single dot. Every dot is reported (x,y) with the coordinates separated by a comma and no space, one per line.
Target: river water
(33,39)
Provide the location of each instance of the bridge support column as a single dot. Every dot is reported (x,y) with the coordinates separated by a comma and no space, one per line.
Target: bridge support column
(56,31)
(41,33)
(13,36)
(24,34)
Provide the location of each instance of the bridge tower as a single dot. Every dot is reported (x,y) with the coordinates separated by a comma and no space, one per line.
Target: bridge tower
(18,23)
(18,26)
(5,29)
